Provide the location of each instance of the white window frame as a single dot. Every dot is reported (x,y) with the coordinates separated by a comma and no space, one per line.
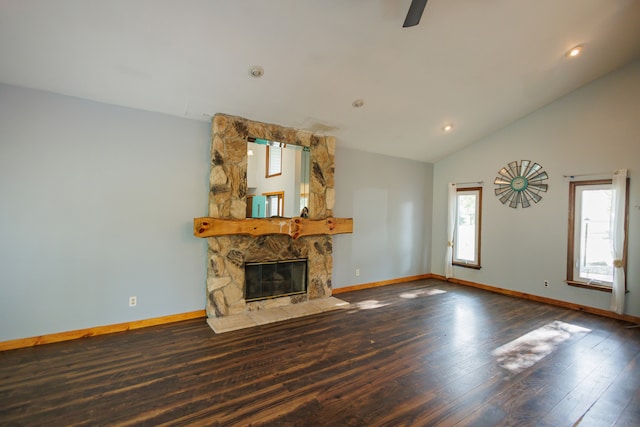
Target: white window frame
(464,262)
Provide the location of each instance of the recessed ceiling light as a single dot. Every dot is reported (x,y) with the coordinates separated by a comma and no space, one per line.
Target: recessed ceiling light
(574,51)
(358,103)
(256,71)
(448,127)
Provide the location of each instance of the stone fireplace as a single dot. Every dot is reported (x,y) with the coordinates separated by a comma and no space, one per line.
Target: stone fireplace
(229,254)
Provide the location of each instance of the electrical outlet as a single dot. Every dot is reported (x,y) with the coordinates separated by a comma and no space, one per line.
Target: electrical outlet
(546,283)
(133,301)
(357,272)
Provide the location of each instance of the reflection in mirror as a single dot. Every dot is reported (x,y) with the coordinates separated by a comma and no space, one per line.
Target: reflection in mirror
(285,194)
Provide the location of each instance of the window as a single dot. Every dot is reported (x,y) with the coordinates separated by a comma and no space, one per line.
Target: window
(466,248)
(275,203)
(274,161)
(589,255)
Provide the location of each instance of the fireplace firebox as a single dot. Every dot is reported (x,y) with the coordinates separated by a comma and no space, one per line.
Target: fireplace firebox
(273,279)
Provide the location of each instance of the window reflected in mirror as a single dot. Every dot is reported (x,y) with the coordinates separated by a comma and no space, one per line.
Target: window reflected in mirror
(274,161)
(277,179)
(275,203)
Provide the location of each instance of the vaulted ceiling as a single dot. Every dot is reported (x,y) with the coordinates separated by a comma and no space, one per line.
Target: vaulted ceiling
(476,64)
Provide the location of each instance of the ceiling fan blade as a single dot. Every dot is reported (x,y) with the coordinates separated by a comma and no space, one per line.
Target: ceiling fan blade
(415,13)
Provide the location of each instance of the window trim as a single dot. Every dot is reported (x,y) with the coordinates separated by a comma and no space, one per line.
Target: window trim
(571,235)
(477,265)
(280,197)
(271,170)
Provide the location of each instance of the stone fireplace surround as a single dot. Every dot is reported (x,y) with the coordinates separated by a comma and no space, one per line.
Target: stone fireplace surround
(227,200)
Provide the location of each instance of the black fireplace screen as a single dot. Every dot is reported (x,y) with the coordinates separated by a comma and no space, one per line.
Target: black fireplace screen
(275,279)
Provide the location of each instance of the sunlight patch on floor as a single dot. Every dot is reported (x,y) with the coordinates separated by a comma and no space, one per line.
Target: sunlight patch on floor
(525,351)
(373,303)
(369,304)
(422,292)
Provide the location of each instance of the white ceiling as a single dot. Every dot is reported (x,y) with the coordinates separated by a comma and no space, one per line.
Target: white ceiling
(480,64)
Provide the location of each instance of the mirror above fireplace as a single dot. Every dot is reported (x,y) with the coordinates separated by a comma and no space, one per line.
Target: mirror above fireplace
(277,179)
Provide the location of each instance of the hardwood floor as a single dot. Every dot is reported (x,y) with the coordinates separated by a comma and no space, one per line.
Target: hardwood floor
(416,354)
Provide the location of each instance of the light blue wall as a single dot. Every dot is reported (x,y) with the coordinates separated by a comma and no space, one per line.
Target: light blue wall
(592,130)
(97,204)
(389,200)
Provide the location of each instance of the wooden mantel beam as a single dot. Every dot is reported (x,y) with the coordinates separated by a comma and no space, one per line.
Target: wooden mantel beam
(294,227)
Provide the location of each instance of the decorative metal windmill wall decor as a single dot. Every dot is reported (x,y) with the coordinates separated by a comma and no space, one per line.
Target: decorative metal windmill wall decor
(520,183)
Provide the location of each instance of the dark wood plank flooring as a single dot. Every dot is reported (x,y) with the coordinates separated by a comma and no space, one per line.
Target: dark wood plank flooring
(403,355)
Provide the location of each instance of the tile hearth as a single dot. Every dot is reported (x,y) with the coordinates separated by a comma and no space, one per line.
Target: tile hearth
(277,314)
